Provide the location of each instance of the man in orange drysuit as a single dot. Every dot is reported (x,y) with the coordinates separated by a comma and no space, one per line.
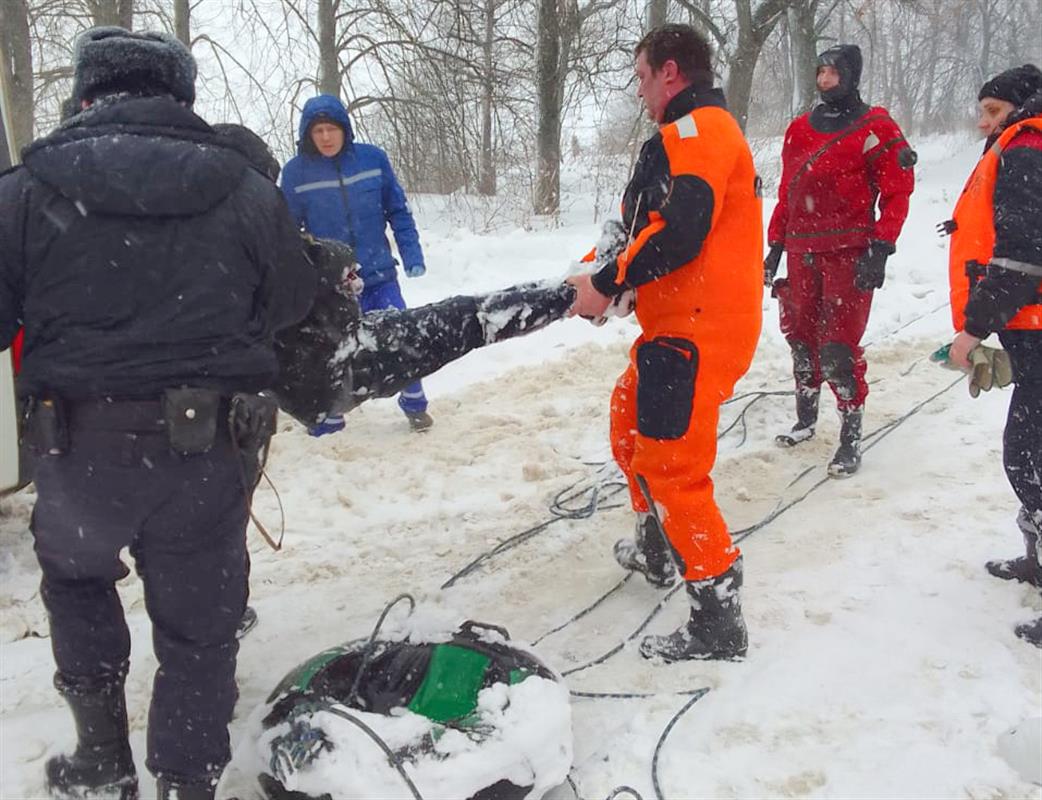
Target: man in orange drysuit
(693,207)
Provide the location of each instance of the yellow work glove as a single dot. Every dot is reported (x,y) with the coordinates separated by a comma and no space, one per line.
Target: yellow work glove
(990,367)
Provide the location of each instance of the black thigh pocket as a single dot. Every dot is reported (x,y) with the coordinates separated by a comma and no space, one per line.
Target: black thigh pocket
(666,370)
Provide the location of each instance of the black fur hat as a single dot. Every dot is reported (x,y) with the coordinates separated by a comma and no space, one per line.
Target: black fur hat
(109,60)
(1014,85)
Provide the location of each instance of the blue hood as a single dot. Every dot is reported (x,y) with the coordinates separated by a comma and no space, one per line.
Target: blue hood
(324,105)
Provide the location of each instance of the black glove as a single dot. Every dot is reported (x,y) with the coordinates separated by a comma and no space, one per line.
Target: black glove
(870,269)
(770,264)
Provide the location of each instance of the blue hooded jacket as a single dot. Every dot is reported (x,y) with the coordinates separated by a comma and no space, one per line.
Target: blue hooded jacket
(351,196)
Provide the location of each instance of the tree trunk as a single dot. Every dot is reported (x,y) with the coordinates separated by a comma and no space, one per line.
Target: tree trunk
(740,78)
(328,63)
(486,167)
(547,198)
(803,35)
(112,12)
(183,22)
(753,29)
(17,66)
(658,13)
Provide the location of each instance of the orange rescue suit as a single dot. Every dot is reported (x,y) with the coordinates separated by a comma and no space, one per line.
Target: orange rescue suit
(695,262)
(973,240)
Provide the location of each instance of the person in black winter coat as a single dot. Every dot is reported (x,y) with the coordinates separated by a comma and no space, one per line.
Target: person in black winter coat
(151,268)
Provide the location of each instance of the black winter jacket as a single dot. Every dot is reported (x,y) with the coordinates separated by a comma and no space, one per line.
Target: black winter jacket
(140,253)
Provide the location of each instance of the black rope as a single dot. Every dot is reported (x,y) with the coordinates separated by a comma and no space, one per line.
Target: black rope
(578,616)
(640,628)
(343,713)
(900,328)
(562,508)
(633,695)
(873,438)
(370,645)
(619,790)
(662,741)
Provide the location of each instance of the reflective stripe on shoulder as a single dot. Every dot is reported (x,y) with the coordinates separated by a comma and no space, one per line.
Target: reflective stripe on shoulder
(1035,270)
(345,181)
(686,127)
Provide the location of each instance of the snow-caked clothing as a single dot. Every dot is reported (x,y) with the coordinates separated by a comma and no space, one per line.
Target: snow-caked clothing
(351,197)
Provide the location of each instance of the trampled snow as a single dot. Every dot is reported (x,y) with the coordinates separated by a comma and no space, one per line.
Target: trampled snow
(882,661)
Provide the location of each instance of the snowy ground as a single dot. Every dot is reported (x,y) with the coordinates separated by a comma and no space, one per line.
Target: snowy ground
(882,660)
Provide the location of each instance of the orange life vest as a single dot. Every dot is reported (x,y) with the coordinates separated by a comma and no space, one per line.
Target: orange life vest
(973,241)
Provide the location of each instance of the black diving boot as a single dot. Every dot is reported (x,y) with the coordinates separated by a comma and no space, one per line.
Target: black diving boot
(648,553)
(715,629)
(806,418)
(847,460)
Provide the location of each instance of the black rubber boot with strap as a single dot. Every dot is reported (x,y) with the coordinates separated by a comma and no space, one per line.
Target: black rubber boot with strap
(102,764)
(648,553)
(715,629)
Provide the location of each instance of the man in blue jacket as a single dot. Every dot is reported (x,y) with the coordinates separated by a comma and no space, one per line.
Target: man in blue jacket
(341,189)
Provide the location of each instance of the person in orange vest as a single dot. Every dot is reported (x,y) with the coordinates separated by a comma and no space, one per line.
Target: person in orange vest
(692,209)
(839,161)
(995,272)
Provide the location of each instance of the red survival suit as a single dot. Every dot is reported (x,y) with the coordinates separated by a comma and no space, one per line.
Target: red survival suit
(838,161)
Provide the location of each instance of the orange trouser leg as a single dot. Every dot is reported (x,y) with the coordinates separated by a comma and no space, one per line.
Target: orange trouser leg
(677,470)
(623,431)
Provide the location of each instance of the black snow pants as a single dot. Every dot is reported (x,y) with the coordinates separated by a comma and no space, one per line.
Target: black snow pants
(183,518)
(1022,440)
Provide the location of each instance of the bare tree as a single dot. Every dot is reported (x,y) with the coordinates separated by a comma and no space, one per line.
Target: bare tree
(183,22)
(739,47)
(112,12)
(658,13)
(17,64)
(549,86)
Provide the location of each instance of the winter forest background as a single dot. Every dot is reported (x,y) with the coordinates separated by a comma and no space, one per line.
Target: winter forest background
(485,100)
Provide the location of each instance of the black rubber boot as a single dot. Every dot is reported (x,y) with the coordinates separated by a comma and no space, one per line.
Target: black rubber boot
(648,554)
(1031,632)
(173,790)
(806,418)
(1025,568)
(847,460)
(102,764)
(715,630)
